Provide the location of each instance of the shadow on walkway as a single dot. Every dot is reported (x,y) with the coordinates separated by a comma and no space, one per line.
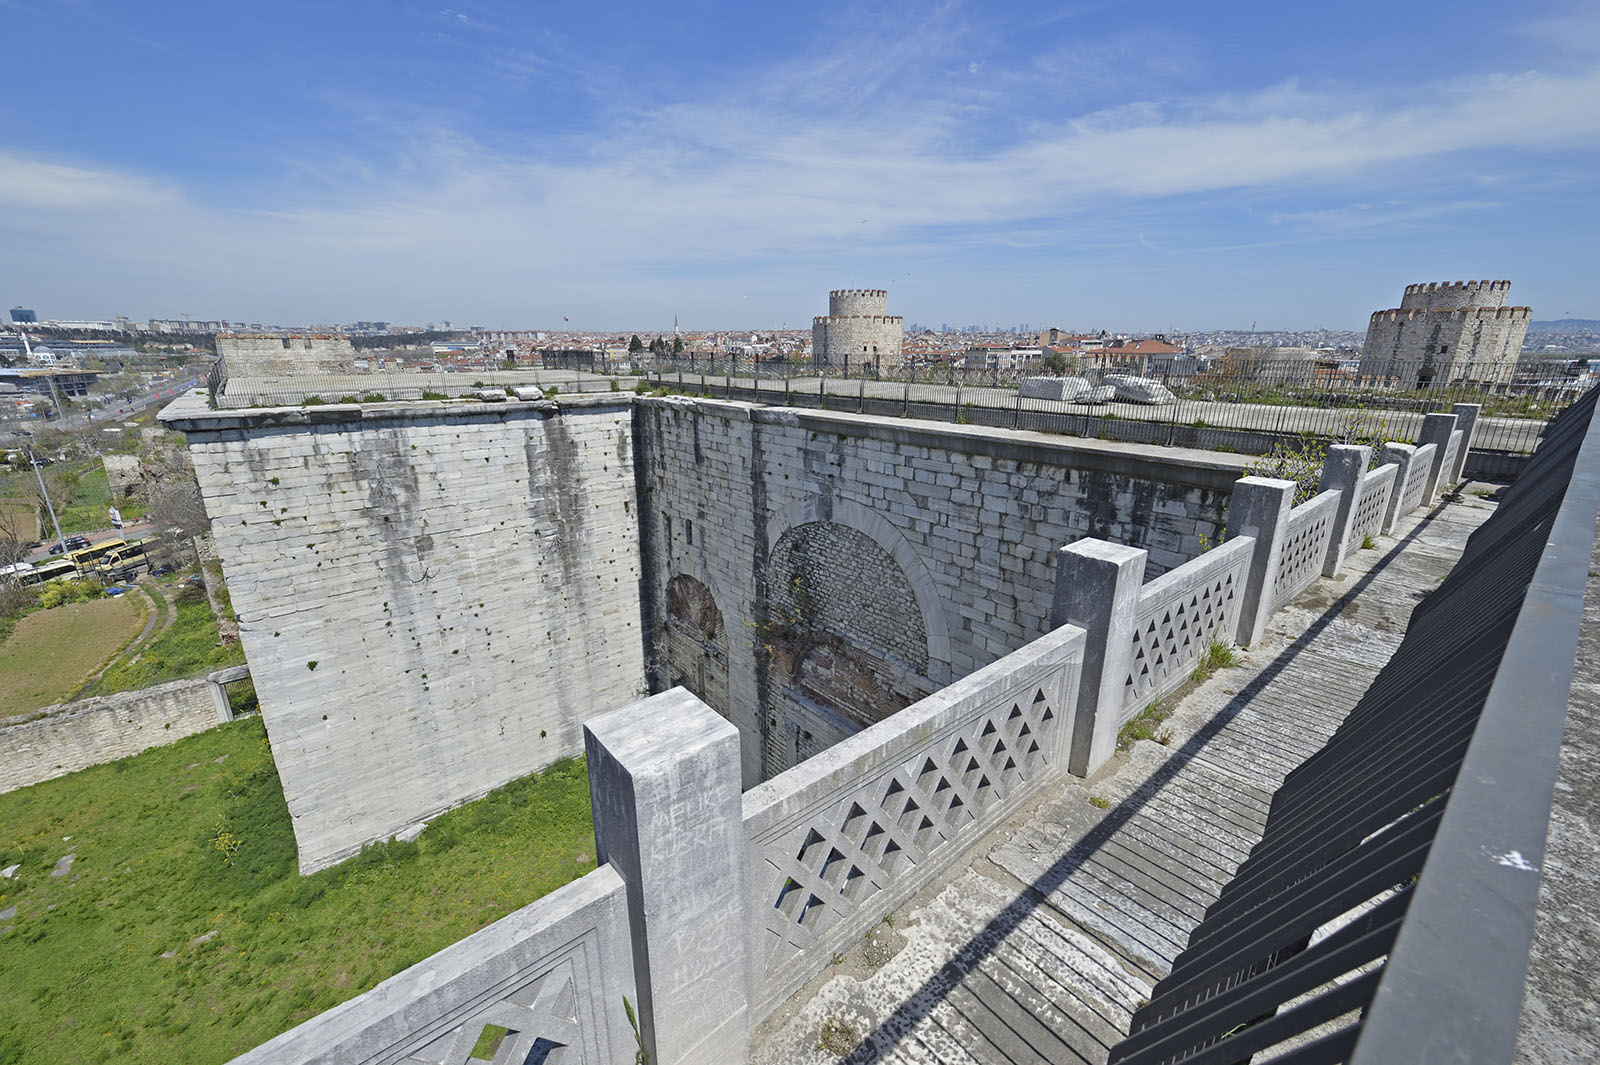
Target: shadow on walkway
(879,1043)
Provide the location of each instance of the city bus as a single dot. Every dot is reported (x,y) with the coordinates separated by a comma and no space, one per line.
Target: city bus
(57,569)
(85,559)
(126,561)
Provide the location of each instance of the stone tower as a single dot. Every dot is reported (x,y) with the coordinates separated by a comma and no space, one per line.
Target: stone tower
(1444,332)
(857,332)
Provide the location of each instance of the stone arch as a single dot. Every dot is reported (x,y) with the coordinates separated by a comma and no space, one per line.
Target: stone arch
(694,645)
(846,643)
(929,603)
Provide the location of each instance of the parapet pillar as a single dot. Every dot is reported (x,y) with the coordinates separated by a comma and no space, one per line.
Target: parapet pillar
(1467,422)
(1343,470)
(664,783)
(1401,455)
(1436,430)
(1097,588)
(1259,508)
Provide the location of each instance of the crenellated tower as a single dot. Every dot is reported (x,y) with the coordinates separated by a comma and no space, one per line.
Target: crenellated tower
(857,332)
(1446,331)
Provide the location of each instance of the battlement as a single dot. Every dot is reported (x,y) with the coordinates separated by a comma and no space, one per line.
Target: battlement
(1455,294)
(859,292)
(1434,286)
(1410,314)
(897,319)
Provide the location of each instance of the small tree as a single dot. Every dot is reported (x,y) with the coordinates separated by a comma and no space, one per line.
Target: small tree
(677,345)
(635,345)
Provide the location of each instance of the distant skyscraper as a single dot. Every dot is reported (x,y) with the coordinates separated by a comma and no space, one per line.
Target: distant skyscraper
(22,315)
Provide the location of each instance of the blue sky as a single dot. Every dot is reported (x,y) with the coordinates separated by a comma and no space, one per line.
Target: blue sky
(1134,166)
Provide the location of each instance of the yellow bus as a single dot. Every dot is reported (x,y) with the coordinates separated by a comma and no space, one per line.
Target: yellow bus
(85,559)
(127,560)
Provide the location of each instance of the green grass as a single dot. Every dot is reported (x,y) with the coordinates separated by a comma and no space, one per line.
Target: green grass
(81,961)
(1147,724)
(186,649)
(50,653)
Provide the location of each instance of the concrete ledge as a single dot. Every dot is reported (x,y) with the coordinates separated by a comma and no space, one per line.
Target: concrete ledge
(1214,471)
(192,413)
(576,933)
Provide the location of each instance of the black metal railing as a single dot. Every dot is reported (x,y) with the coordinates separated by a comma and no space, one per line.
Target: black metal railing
(1270,401)
(1386,914)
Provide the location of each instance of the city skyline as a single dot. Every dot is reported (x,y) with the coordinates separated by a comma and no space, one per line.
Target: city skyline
(1140,168)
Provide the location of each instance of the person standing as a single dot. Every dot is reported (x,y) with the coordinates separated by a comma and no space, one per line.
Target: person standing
(116,519)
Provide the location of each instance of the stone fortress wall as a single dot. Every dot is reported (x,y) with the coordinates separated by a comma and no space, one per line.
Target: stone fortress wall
(1454,295)
(432,597)
(859,330)
(280,355)
(1444,332)
(809,573)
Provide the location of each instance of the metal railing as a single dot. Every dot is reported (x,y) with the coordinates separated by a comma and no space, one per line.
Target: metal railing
(1387,913)
(1274,400)
(235,392)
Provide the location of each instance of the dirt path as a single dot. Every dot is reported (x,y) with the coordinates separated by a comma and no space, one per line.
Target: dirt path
(149,591)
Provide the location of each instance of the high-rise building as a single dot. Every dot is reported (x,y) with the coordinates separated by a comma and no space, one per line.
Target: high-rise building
(23,315)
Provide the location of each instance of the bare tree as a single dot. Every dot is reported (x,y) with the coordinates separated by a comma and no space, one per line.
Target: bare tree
(171,496)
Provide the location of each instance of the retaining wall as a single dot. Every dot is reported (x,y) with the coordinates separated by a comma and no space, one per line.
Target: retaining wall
(67,737)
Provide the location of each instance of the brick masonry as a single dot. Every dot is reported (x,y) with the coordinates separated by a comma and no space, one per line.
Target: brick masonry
(432,597)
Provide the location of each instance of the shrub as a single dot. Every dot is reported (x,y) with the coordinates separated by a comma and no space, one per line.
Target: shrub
(60,593)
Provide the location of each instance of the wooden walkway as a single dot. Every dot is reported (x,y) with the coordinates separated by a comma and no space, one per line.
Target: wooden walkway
(1040,949)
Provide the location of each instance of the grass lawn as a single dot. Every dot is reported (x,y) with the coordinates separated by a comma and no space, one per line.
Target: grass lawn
(186,649)
(52,652)
(86,510)
(20,520)
(182,933)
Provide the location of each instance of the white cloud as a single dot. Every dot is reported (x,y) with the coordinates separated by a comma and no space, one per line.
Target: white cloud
(861,152)
(29,183)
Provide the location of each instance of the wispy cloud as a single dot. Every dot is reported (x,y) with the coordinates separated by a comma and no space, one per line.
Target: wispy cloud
(881,144)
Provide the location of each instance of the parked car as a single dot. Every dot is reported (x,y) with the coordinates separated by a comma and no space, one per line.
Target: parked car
(74,543)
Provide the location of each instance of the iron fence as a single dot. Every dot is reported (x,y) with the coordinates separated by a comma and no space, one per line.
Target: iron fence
(1272,401)
(231,393)
(1387,913)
